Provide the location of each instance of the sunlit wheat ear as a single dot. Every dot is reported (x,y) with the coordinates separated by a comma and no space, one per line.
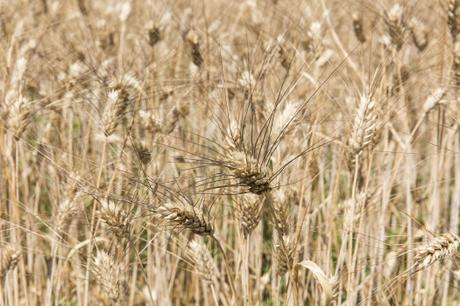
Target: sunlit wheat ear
(439,248)
(117,102)
(352,208)
(280,206)
(180,216)
(109,276)
(198,254)
(249,174)
(20,116)
(358,27)
(116,217)
(119,93)
(433,100)
(16,109)
(419,34)
(286,114)
(313,44)
(68,208)
(284,53)
(395,26)
(248,211)
(453,18)
(364,127)
(390,264)
(9,257)
(232,136)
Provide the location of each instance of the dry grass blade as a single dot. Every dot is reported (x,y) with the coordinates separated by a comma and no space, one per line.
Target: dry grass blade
(328,284)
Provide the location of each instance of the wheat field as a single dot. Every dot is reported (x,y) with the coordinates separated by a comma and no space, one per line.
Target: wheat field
(250,152)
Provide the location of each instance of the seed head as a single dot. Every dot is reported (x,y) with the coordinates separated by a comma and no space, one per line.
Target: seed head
(440,247)
(183,216)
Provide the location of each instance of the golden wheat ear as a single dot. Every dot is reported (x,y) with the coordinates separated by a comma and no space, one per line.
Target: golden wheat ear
(419,34)
(453,18)
(364,127)
(443,246)
(248,212)
(109,276)
(181,216)
(395,26)
(9,257)
(198,254)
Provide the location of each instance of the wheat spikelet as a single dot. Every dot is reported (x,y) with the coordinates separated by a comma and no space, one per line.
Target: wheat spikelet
(456,63)
(364,126)
(67,209)
(433,100)
(144,154)
(154,34)
(150,122)
(117,102)
(193,40)
(232,137)
(116,218)
(453,18)
(183,216)
(440,247)
(419,34)
(395,26)
(198,254)
(358,27)
(285,254)
(109,276)
(248,212)
(314,42)
(352,208)
(248,172)
(178,112)
(18,114)
(17,109)
(9,257)
(280,205)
